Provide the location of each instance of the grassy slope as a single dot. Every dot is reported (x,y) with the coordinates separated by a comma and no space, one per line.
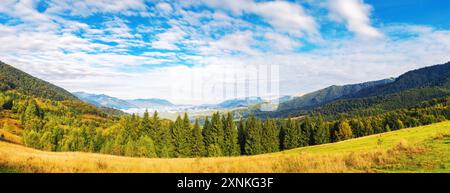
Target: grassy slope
(420,149)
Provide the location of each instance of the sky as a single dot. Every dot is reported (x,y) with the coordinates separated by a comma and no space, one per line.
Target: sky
(206,51)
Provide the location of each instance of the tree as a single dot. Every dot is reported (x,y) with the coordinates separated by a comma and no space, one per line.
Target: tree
(270,139)
(291,134)
(213,134)
(241,136)
(322,132)
(198,146)
(130,148)
(145,147)
(253,136)
(179,138)
(344,131)
(230,140)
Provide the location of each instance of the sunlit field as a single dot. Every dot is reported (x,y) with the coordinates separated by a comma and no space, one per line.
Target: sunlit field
(419,149)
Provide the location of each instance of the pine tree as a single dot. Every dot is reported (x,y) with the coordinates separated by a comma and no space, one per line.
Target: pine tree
(230,140)
(253,136)
(146,125)
(198,146)
(270,139)
(291,134)
(179,139)
(241,136)
(213,134)
(322,133)
(306,132)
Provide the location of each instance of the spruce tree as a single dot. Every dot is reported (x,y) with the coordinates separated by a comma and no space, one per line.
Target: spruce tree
(198,146)
(270,139)
(291,134)
(322,132)
(179,138)
(230,140)
(253,136)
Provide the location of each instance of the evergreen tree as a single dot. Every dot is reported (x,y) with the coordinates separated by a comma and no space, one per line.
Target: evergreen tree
(291,134)
(198,147)
(322,132)
(230,140)
(241,136)
(270,139)
(253,136)
(180,143)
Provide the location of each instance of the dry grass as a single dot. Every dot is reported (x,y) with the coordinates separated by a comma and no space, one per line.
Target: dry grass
(31,160)
(364,154)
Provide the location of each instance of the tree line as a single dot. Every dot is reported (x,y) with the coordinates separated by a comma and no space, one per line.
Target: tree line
(219,135)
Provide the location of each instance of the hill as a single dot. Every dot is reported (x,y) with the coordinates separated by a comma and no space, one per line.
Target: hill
(409,89)
(240,102)
(432,76)
(419,149)
(328,94)
(12,78)
(103,100)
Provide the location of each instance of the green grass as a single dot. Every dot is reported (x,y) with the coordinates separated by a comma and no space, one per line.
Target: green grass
(379,141)
(5,169)
(435,159)
(419,149)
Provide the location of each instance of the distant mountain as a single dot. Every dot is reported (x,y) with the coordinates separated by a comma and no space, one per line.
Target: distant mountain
(12,78)
(437,75)
(328,94)
(102,100)
(408,90)
(113,102)
(146,103)
(240,102)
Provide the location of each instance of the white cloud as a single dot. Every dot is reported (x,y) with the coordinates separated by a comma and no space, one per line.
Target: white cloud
(164,7)
(281,43)
(240,41)
(282,15)
(168,39)
(89,7)
(355,14)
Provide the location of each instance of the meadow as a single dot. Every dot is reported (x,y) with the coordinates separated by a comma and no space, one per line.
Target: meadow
(418,149)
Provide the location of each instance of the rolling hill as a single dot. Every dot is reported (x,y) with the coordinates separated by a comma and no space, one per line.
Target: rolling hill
(328,94)
(407,90)
(419,149)
(12,78)
(103,100)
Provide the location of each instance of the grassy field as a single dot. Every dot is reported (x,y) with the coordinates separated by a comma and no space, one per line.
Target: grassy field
(420,149)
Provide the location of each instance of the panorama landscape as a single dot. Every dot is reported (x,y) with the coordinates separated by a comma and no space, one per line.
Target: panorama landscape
(224,86)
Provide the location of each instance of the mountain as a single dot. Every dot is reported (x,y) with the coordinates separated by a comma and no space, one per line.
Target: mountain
(241,102)
(12,78)
(406,91)
(437,75)
(102,100)
(108,101)
(146,103)
(328,94)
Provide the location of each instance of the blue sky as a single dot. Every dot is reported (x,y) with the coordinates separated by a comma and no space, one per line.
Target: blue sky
(206,51)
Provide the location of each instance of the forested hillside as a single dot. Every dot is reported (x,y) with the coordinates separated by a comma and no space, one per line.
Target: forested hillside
(73,125)
(405,91)
(12,78)
(328,94)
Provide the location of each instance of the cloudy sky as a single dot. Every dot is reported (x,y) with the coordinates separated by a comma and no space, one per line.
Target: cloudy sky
(172,49)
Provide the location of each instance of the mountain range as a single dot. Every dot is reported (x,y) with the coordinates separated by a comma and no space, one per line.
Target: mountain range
(113,102)
(407,90)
